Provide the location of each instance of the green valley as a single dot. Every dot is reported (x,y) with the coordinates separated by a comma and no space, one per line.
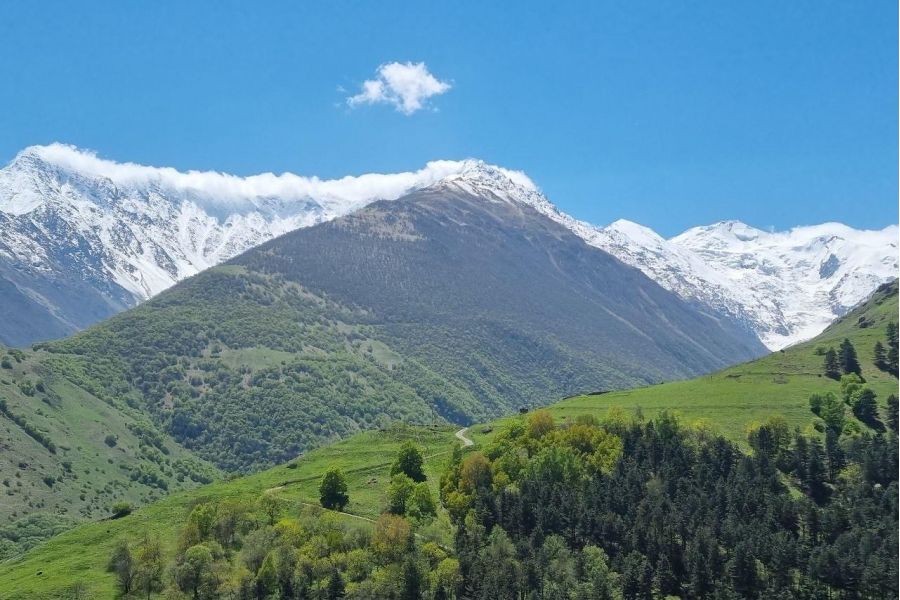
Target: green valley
(723,402)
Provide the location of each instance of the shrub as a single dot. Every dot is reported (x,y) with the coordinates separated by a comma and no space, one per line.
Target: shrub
(121,509)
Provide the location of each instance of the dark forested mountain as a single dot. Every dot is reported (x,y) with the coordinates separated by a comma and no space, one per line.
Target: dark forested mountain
(445,272)
(441,305)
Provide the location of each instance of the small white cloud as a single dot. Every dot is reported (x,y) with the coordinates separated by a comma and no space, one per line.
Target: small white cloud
(405,86)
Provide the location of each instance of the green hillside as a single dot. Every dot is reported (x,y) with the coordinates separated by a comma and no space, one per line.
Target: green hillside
(66,454)
(439,308)
(728,401)
(778,384)
(79,556)
(436,307)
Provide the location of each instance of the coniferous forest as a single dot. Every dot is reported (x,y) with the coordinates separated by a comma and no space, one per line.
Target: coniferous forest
(642,510)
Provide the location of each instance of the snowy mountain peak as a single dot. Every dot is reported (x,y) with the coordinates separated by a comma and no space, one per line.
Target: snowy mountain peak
(635,232)
(128,231)
(478,178)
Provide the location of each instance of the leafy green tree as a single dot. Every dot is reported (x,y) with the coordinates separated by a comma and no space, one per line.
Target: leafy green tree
(832,365)
(333,490)
(503,578)
(446,579)
(400,491)
(391,537)
(267,576)
(851,385)
(270,505)
(121,509)
(121,565)
(421,506)
(149,566)
(831,410)
(204,517)
(848,359)
(603,582)
(409,462)
(195,573)
(540,423)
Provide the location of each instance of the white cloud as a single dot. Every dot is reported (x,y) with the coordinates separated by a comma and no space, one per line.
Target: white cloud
(405,86)
(211,189)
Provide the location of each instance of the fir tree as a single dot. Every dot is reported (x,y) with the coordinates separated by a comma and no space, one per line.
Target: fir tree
(891,359)
(847,357)
(880,358)
(335,588)
(892,416)
(865,409)
(832,366)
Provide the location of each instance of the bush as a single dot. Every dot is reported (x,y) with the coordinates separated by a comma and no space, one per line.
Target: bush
(121,509)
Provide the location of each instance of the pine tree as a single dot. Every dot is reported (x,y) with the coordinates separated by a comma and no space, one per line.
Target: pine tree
(815,472)
(847,357)
(834,453)
(865,409)
(891,360)
(880,359)
(335,589)
(412,580)
(832,366)
(892,416)
(742,571)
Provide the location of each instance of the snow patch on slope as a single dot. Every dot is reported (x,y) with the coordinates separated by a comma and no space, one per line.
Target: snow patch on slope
(144,228)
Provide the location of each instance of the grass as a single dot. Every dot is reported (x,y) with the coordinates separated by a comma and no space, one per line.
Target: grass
(80,555)
(80,475)
(732,399)
(728,401)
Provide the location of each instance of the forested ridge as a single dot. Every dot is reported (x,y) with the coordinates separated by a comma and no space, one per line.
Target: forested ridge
(641,510)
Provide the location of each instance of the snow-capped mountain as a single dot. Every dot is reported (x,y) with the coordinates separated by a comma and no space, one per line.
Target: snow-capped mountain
(785,287)
(82,238)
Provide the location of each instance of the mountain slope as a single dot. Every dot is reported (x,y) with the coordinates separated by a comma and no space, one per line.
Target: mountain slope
(54,568)
(778,384)
(785,286)
(440,305)
(82,238)
(68,451)
(80,556)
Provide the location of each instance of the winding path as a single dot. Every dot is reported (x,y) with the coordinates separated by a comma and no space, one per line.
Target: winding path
(461,436)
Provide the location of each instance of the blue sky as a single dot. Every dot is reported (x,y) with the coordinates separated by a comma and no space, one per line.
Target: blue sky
(671,114)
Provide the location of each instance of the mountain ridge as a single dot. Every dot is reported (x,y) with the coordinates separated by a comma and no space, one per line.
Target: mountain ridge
(85,237)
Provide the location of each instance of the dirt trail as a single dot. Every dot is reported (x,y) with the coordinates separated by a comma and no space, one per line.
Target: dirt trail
(461,436)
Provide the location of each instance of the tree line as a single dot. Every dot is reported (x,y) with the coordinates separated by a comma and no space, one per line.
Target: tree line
(649,509)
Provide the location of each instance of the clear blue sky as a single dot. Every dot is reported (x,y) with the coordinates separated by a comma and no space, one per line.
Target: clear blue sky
(671,114)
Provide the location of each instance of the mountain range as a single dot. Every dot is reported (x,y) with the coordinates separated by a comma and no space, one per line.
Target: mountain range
(84,238)
(451,304)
